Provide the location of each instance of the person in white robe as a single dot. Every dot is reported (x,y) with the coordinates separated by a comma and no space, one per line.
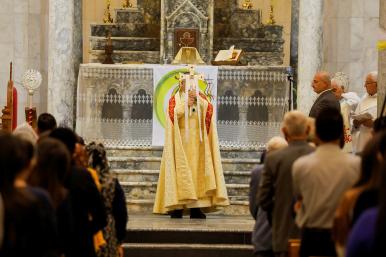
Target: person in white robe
(348,103)
(365,113)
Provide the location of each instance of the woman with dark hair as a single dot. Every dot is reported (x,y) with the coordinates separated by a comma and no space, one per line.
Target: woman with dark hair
(29,223)
(53,164)
(368,235)
(114,200)
(369,178)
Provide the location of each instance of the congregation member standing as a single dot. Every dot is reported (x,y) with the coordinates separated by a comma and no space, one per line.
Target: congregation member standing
(348,103)
(326,98)
(366,113)
(114,199)
(29,220)
(89,214)
(319,180)
(275,193)
(52,167)
(262,233)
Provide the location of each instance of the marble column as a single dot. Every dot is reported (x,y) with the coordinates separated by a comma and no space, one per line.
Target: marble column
(64,55)
(310,50)
(294,42)
(382,59)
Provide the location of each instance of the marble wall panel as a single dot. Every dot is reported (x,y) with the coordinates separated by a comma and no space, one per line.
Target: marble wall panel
(21,6)
(382,13)
(357,8)
(6,28)
(371,8)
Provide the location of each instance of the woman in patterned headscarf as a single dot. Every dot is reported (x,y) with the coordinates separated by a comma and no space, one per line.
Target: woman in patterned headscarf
(114,200)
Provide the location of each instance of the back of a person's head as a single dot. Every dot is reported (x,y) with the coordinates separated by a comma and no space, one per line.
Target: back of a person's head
(329,125)
(276,143)
(66,136)
(97,156)
(371,161)
(53,164)
(379,124)
(46,122)
(15,156)
(295,123)
(26,132)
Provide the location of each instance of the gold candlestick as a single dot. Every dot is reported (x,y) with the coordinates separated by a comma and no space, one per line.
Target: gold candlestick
(108,18)
(127,4)
(271,20)
(247,4)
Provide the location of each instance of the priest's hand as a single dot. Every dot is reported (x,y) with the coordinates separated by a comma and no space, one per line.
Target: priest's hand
(192,98)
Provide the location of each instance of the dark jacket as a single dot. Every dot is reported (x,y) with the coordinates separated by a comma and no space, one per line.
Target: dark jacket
(262,234)
(276,195)
(88,210)
(325,100)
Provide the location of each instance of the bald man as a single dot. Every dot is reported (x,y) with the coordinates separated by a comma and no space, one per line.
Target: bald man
(326,98)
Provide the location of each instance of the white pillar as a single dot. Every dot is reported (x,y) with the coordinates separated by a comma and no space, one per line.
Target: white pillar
(382,58)
(64,49)
(310,50)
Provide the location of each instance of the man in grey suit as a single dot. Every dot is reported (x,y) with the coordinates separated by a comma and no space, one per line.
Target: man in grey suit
(326,98)
(275,194)
(262,234)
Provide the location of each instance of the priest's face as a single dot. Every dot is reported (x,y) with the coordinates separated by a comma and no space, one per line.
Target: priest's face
(371,85)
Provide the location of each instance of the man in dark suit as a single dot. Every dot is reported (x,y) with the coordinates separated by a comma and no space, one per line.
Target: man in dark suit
(326,98)
(262,234)
(275,194)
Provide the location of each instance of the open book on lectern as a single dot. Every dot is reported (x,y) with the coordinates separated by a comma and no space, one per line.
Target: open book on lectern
(230,56)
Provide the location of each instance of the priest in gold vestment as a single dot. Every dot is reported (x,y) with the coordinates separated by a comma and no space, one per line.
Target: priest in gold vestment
(191,175)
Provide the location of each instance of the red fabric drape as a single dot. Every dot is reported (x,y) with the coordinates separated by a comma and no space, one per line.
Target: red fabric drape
(14,107)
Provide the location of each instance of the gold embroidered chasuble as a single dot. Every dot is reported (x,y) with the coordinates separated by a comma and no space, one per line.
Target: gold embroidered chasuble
(191,174)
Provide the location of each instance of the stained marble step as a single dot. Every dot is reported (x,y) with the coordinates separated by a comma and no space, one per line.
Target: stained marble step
(250,44)
(153,163)
(187,250)
(145,206)
(126,43)
(129,15)
(120,29)
(231,177)
(157,152)
(127,56)
(147,190)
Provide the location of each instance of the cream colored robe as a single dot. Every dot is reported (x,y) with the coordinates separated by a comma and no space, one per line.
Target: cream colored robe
(363,134)
(191,174)
(348,104)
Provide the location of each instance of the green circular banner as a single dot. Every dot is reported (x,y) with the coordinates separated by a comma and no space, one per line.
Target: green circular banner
(169,82)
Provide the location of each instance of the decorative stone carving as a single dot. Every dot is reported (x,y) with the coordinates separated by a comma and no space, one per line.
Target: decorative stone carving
(193,15)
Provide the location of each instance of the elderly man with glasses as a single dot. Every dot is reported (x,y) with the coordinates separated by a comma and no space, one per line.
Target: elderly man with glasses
(365,113)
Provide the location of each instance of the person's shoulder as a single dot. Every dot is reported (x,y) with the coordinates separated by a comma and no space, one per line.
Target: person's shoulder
(257,170)
(303,160)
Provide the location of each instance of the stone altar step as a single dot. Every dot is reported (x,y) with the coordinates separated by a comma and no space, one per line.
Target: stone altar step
(126,43)
(156,235)
(153,163)
(129,15)
(145,206)
(122,29)
(147,190)
(151,151)
(250,44)
(127,56)
(128,175)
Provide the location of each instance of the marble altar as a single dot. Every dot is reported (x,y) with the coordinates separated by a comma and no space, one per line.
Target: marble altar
(115,104)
